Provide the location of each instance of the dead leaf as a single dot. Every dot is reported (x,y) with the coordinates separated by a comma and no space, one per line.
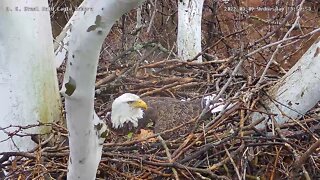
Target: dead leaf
(144,134)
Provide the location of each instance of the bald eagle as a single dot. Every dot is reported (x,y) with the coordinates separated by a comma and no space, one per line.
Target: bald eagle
(131,113)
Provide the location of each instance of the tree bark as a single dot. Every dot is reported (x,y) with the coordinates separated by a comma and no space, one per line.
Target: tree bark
(86,131)
(296,92)
(29,90)
(189,29)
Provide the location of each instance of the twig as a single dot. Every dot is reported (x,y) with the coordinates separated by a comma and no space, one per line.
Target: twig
(169,156)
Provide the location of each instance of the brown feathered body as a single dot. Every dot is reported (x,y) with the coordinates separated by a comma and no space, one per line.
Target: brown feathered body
(165,113)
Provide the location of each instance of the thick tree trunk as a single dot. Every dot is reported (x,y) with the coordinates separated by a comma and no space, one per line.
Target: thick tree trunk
(28,83)
(86,132)
(189,29)
(297,92)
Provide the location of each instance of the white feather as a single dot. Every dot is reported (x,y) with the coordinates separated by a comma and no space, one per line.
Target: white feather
(122,112)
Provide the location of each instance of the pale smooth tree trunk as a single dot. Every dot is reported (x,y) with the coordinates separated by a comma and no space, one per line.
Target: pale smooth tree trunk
(296,92)
(86,131)
(189,29)
(28,83)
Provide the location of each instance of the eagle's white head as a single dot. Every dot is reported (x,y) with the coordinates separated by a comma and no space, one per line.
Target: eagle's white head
(127,108)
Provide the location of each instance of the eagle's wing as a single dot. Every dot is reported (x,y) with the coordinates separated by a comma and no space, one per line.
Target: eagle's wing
(167,113)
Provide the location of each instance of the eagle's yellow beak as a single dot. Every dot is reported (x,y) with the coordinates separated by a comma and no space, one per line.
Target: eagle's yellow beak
(139,104)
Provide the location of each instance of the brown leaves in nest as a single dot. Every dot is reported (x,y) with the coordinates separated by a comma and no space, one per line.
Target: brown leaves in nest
(144,134)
